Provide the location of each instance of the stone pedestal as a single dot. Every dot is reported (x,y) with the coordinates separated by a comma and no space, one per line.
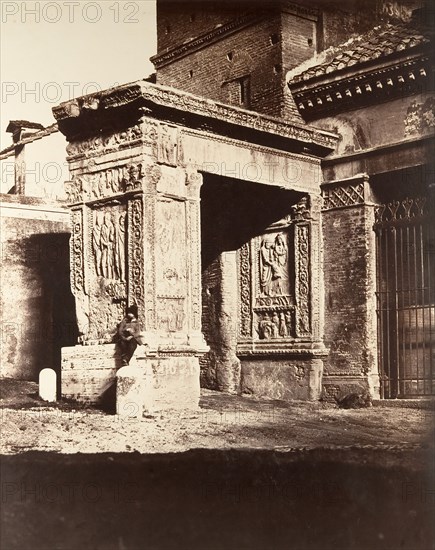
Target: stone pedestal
(280,340)
(152,384)
(167,380)
(89,372)
(287,379)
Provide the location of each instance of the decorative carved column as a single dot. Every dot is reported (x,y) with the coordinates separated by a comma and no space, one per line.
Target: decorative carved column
(135,212)
(280,328)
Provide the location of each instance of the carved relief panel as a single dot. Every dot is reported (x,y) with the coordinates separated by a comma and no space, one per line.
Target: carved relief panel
(167,149)
(171,265)
(274,281)
(108,239)
(273,272)
(107,268)
(105,183)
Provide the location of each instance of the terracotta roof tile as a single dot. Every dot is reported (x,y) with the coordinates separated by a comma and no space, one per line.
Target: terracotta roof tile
(380,42)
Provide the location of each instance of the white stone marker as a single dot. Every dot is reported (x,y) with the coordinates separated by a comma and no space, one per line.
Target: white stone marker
(47,385)
(129,393)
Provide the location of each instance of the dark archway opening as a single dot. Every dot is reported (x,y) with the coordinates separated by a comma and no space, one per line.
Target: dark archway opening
(232,213)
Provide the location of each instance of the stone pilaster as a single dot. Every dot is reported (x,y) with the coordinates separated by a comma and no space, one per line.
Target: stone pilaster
(350,280)
(135,241)
(281,321)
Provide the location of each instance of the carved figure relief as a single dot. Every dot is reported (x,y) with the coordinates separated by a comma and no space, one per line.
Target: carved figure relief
(107,237)
(171,314)
(282,330)
(273,265)
(275,324)
(301,210)
(105,184)
(107,141)
(108,245)
(82,316)
(73,191)
(120,248)
(167,145)
(96,238)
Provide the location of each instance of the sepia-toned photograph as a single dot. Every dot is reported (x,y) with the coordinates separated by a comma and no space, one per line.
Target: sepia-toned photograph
(217,275)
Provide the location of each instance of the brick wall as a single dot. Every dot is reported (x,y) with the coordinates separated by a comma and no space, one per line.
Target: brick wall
(178,22)
(299,40)
(211,71)
(349,279)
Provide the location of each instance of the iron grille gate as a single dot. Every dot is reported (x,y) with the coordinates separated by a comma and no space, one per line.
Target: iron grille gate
(405,297)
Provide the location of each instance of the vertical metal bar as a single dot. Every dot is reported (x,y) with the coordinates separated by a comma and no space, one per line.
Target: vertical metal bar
(430,231)
(417,377)
(409,355)
(402,310)
(423,303)
(378,233)
(387,316)
(396,315)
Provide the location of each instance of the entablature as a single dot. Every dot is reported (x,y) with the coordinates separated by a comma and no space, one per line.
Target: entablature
(125,105)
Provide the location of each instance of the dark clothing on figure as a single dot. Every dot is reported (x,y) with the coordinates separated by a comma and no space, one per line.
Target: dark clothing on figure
(128,329)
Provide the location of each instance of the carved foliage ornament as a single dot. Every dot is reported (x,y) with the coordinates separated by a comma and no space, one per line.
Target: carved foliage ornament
(195,267)
(302,279)
(136,259)
(76,248)
(245,291)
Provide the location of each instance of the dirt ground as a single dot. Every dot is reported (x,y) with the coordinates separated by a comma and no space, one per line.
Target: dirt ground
(222,422)
(238,474)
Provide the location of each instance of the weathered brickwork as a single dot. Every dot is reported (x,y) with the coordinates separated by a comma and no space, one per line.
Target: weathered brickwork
(254,57)
(211,295)
(179,21)
(220,367)
(349,278)
(299,40)
(210,73)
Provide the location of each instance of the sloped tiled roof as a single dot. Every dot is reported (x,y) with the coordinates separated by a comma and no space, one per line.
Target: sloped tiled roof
(380,42)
